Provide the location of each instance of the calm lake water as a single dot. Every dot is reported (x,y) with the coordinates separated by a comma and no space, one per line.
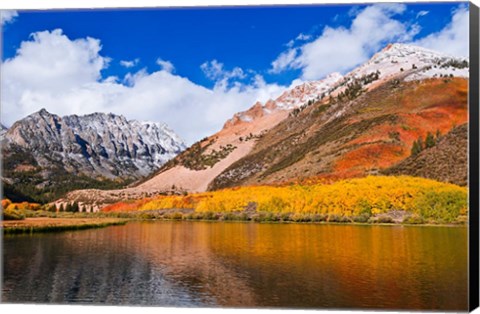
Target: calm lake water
(242,265)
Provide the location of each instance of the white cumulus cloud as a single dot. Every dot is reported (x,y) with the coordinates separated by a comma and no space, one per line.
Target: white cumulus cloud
(340,49)
(422,13)
(225,79)
(215,70)
(7,16)
(285,60)
(63,75)
(129,63)
(453,38)
(303,37)
(165,65)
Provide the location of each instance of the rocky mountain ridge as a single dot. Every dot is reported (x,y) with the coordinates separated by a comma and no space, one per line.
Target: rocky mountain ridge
(98,146)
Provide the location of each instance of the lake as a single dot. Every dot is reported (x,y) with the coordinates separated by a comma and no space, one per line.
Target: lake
(216,264)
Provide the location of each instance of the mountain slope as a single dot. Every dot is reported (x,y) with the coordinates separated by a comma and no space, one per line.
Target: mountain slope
(366,122)
(335,128)
(197,166)
(447,161)
(375,131)
(44,152)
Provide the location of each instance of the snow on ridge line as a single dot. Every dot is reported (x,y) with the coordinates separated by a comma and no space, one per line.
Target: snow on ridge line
(398,57)
(290,99)
(390,61)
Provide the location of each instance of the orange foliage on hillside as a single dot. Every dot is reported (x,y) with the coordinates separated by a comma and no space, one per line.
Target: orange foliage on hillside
(434,105)
(125,206)
(369,158)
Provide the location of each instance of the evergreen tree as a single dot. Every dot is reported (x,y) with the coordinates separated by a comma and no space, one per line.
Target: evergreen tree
(415,148)
(68,208)
(62,208)
(429,140)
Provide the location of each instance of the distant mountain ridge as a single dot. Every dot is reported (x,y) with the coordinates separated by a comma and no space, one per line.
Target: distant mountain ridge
(98,146)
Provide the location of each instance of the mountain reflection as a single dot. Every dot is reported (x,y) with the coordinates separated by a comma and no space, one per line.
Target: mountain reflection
(242,265)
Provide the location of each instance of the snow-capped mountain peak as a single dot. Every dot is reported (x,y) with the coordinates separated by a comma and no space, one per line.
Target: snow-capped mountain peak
(414,61)
(411,62)
(96,144)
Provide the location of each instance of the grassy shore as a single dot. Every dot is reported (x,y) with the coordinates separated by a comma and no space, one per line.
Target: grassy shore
(393,217)
(45,221)
(45,224)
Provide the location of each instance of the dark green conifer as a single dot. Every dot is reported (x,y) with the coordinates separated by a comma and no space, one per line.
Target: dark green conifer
(429,140)
(415,148)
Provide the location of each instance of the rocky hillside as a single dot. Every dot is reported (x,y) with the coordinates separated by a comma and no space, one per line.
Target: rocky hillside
(339,127)
(366,121)
(446,161)
(44,153)
(374,131)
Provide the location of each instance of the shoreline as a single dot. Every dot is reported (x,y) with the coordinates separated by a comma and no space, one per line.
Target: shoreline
(309,223)
(44,225)
(48,224)
(388,219)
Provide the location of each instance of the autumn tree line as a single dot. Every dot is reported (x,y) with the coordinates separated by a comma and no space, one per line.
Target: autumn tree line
(360,200)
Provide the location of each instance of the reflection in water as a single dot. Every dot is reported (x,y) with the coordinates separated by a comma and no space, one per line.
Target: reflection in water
(242,264)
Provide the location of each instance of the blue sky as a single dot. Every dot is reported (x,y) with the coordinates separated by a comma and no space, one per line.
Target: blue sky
(231,51)
(249,38)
